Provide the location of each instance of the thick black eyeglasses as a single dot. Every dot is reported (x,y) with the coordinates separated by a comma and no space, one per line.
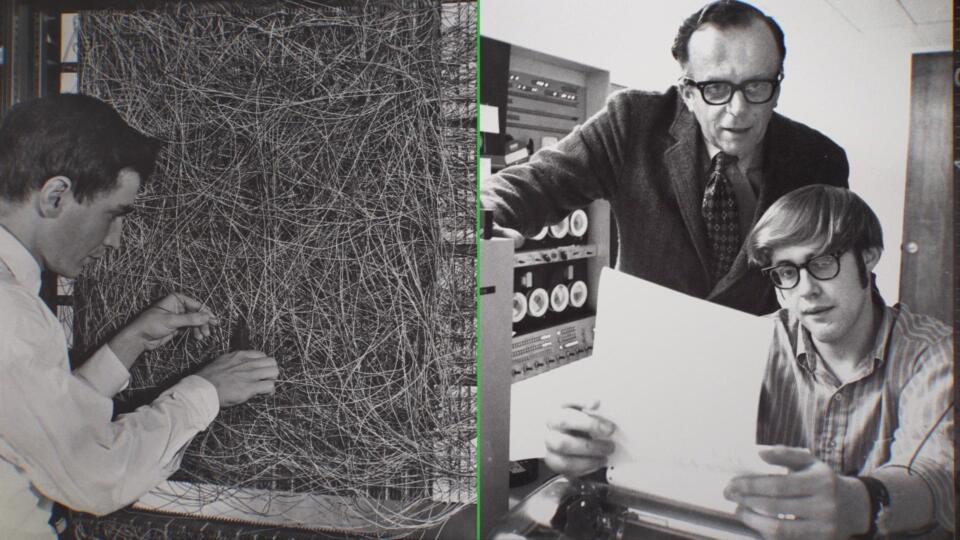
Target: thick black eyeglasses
(755,91)
(786,275)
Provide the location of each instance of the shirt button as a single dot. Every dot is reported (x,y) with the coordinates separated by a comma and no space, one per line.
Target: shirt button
(838,397)
(832,444)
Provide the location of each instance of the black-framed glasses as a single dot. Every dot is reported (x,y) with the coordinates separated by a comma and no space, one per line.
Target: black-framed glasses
(786,275)
(755,91)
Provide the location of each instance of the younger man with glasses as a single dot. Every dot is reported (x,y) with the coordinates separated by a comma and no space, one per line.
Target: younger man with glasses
(857,394)
(686,171)
(864,386)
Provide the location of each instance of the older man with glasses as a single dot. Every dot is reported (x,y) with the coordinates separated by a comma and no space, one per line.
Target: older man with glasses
(686,171)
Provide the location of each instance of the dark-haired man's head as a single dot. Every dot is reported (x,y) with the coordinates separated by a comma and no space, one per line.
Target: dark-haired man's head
(76,136)
(731,56)
(725,14)
(70,169)
(819,245)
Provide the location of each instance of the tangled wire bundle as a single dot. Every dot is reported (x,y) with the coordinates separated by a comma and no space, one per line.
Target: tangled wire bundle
(315,193)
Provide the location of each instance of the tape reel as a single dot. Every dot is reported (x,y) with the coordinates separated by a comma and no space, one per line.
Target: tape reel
(578,223)
(519,306)
(578,294)
(538,302)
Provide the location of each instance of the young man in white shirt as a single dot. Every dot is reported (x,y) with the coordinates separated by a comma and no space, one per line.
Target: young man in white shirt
(70,169)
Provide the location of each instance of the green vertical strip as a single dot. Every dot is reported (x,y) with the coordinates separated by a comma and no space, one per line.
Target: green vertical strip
(478,235)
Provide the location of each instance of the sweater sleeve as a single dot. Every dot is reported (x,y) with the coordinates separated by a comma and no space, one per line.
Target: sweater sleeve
(579,169)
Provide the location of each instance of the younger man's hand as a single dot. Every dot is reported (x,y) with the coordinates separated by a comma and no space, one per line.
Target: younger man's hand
(240,375)
(811,501)
(577,441)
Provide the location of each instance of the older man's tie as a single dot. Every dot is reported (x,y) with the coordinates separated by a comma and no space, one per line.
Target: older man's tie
(720,215)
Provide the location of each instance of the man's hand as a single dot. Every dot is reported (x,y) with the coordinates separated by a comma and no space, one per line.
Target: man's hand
(811,501)
(577,441)
(240,375)
(504,232)
(159,323)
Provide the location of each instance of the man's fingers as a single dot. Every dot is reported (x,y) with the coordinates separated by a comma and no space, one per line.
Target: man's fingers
(582,404)
(240,375)
(247,356)
(156,343)
(558,442)
(795,459)
(248,361)
(263,373)
(256,388)
(200,332)
(769,527)
(783,526)
(593,426)
(575,455)
(263,387)
(573,465)
(180,303)
(253,363)
(189,303)
(184,320)
(240,357)
(798,507)
(775,486)
(504,232)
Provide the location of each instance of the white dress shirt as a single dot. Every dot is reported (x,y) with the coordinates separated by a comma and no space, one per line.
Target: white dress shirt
(57,439)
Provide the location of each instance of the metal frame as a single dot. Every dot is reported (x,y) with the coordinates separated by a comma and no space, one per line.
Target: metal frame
(31,68)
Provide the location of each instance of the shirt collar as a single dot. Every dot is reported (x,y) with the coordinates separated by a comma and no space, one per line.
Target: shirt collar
(19,261)
(806,352)
(749,163)
(882,341)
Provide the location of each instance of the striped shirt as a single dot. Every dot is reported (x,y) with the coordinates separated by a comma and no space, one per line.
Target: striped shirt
(877,420)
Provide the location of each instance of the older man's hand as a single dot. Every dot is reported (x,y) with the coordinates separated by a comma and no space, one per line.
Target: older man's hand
(505,232)
(577,442)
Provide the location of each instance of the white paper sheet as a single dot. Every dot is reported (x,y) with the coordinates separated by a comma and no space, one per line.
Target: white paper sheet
(680,377)
(684,384)
(686,372)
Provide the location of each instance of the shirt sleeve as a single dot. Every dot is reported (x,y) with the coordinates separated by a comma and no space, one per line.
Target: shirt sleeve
(926,407)
(57,427)
(576,171)
(104,372)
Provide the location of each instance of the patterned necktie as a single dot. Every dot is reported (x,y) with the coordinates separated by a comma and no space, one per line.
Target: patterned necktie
(719,211)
